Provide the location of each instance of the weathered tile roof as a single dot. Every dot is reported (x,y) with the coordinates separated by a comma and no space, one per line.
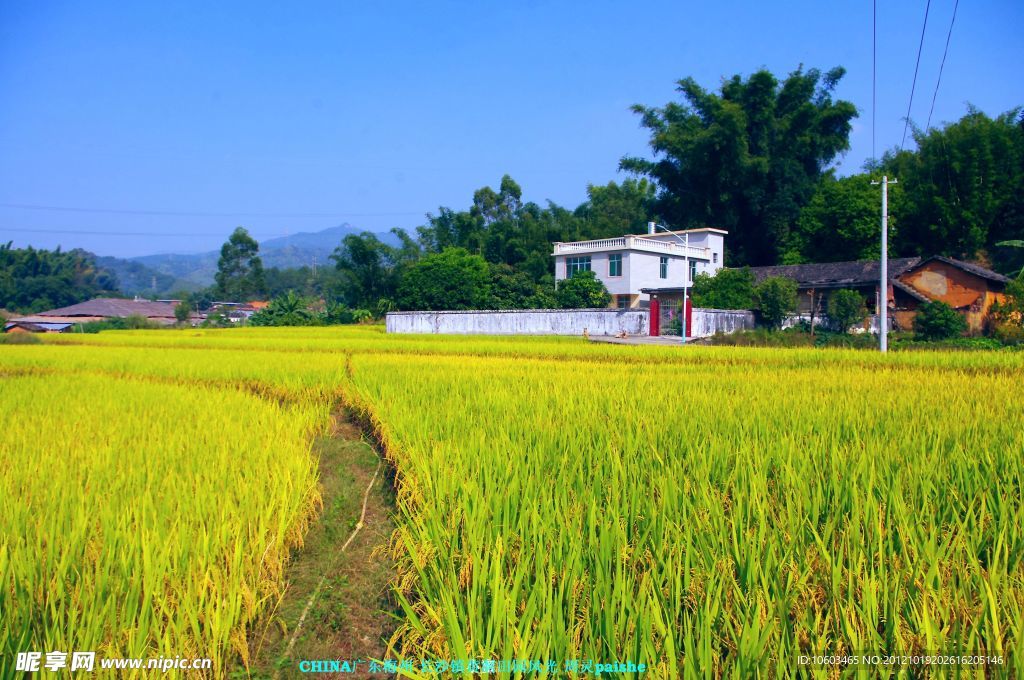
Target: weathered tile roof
(835,274)
(111,307)
(975,269)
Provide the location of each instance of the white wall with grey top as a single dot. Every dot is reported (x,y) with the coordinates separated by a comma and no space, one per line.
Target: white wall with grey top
(706,322)
(521,322)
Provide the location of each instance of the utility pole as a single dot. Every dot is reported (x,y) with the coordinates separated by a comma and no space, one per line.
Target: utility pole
(686,278)
(883,296)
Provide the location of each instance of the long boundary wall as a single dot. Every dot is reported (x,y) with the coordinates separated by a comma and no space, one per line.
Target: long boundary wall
(706,322)
(521,322)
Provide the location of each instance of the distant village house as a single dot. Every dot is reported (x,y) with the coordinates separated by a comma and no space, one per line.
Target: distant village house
(100,309)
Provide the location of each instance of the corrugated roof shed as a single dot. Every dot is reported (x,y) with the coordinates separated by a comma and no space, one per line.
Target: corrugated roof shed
(37,327)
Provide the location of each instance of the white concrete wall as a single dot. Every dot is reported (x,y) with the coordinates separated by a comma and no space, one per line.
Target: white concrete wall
(521,322)
(707,322)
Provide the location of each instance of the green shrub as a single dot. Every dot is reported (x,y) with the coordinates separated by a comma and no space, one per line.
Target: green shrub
(846,340)
(290,309)
(959,344)
(1009,334)
(675,324)
(938,321)
(776,299)
(451,279)
(762,337)
(1010,312)
(582,291)
(182,312)
(117,323)
(362,316)
(728,289)
(846,308)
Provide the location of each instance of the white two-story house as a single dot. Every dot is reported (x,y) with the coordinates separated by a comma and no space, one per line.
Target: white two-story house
(630,263)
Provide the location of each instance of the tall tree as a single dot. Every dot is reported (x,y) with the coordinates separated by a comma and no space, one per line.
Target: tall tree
(746,159)
(451,279)
(450,228)
(616,209)
(841,222)
(964,188)
(503,229)
(370,270)
(240,270)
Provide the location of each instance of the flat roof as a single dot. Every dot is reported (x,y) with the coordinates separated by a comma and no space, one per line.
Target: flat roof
(686,231)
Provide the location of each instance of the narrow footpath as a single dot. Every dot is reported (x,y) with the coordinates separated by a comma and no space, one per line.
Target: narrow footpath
(337,605)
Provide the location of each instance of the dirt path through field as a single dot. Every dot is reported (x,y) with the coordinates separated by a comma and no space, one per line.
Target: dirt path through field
(340,597)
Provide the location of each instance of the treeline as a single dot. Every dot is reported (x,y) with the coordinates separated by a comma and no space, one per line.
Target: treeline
(34,280)
(960,193)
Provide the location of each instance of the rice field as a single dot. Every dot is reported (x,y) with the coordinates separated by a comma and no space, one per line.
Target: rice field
(713,512)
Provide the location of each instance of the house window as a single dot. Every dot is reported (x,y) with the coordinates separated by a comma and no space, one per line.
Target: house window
(664,267)
(622,301)
(615,264)
(693,270)
(714,258)
(576,264)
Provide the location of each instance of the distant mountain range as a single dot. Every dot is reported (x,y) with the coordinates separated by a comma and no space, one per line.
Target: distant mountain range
(160,274)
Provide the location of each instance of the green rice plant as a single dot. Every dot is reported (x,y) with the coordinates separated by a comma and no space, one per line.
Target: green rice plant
(144,519)
(713,512)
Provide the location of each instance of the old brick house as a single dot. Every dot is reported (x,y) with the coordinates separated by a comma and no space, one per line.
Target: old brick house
(913,281)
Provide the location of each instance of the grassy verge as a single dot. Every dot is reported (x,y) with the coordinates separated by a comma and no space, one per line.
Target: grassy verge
(797,337)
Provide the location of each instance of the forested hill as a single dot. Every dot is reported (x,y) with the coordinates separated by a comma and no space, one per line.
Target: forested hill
(33,280)
(302,249)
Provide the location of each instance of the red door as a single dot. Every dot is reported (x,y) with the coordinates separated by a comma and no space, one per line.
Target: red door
(655,317)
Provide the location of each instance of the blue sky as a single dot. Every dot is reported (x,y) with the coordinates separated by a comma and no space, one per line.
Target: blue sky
(171,123)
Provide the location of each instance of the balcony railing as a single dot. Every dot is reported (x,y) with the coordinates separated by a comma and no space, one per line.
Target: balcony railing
(632,243)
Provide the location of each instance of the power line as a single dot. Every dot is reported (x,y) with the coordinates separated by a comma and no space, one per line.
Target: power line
(183,213)
(941,66)
(111,233)
(913,85)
